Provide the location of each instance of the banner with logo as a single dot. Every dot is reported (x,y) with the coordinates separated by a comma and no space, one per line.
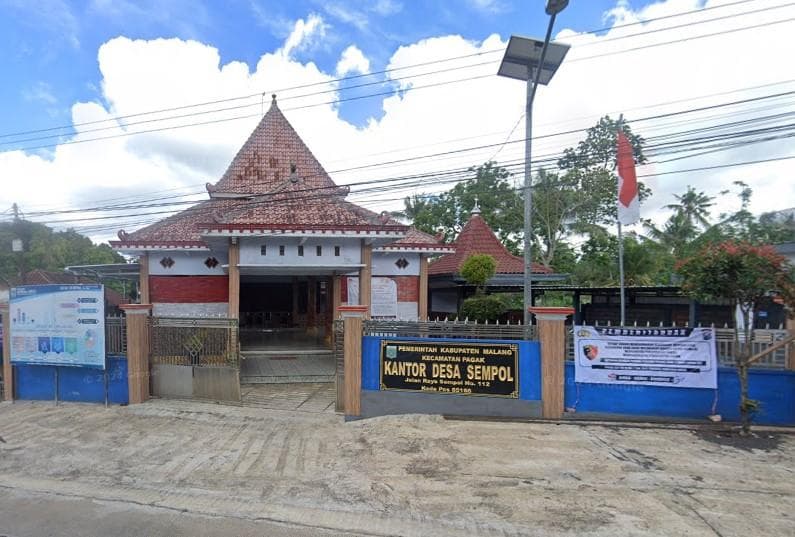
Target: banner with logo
(678,357)
(58,325)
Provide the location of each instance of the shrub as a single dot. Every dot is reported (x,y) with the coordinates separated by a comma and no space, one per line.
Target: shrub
(482,308)
(478,269)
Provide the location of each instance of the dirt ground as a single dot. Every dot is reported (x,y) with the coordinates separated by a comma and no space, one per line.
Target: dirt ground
(409,475)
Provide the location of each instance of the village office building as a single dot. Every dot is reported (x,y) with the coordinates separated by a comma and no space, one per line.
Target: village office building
(277,246)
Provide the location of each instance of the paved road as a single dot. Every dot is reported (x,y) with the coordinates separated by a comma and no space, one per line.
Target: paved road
(411,475)
(23,514)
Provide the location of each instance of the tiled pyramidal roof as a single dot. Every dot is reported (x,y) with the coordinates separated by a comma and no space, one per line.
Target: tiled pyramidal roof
(273,153)
(274,182)
(478,238)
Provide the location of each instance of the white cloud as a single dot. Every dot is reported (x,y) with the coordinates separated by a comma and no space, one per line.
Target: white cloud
(352,60)
(53,16)
(387,7)
(305,34)
(40,92)
(488,6)
(140,75)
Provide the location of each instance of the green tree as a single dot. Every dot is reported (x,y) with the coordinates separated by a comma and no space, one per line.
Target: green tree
(489,186)
(743,274)
(645,262)
(47,249)
(693,208)
(592,165)
(477,269)
(557,200)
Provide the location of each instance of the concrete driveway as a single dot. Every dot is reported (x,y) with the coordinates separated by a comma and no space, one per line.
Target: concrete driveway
(410,475)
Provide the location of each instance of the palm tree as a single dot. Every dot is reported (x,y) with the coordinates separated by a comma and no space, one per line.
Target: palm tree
(693,207)
(675,235)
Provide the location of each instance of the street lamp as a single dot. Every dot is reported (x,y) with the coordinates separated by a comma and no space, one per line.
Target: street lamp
(534,62)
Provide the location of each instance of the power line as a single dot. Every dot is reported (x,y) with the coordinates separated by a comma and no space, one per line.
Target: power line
(689,170)
(682,40)
(656,105)
(248,116)
(351,77)
(240,107)
(672,143)
(315,192)
(686,25)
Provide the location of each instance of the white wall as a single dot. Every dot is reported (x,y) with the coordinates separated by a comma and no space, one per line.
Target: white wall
(186,263)
(384,264)
(250,251)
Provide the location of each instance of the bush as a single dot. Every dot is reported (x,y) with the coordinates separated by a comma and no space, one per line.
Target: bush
(482,308)
(478,269)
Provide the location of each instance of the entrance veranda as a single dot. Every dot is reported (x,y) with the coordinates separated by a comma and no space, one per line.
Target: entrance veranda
(286,329)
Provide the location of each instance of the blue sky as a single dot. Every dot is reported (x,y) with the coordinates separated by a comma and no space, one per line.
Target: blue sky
(92,61)
(50,46)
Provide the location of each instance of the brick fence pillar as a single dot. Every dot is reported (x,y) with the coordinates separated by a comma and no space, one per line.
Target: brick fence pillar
(352,317)
(8,372)
(137,351)
(551,324)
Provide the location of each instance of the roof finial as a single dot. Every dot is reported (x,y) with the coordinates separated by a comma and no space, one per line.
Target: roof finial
(476,208)
(273,98)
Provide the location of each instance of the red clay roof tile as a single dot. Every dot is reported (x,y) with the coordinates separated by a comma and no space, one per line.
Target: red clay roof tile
(281,184)
(478,238)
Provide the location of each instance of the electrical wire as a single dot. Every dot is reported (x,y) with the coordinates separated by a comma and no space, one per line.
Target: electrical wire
(480,53)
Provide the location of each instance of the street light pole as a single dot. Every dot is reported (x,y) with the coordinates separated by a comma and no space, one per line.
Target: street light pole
(532,84)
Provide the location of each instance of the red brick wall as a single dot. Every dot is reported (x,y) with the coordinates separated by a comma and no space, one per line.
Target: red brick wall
(188,289)
(408,288)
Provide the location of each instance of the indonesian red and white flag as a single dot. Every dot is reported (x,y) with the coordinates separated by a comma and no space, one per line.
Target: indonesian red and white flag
(628,200)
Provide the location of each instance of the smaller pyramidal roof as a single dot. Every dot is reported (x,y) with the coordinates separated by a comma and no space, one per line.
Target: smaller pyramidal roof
(478,238)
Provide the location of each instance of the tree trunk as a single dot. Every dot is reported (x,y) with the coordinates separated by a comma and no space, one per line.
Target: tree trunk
(745,411)
(742,371)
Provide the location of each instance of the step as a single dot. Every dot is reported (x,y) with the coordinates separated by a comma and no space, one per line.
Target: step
(285,379)
(265,353)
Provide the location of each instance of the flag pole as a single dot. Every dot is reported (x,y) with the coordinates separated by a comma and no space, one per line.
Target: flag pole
(621,274)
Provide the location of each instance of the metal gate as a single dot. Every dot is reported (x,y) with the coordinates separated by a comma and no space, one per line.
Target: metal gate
(194,357)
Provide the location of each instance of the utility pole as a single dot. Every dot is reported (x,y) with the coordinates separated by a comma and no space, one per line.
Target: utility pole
(17,245)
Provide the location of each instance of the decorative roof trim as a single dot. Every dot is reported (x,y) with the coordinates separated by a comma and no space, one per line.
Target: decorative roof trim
(417,248)
(318,227)
(159,245)
(236,230)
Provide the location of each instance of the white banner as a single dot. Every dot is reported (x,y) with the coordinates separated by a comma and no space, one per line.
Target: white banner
(383,298)
(678,357)
(58,325)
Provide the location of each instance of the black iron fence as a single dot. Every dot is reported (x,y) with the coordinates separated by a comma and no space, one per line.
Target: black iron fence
(203,342)
(449,329)
(116,335)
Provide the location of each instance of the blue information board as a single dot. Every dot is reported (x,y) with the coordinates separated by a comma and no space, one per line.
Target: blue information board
(62,325)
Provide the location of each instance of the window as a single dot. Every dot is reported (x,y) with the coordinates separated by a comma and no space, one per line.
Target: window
(263,250)
(301,250)
(336,251)
(281,249)
(319,250)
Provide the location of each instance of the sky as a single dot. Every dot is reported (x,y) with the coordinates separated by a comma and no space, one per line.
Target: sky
(379,89)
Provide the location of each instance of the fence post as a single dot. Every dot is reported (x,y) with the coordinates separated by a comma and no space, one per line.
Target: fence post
(8,372)
(352,317)
(137,351)
(551,324)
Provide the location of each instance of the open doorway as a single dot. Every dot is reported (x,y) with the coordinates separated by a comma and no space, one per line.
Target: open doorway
(283,326)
